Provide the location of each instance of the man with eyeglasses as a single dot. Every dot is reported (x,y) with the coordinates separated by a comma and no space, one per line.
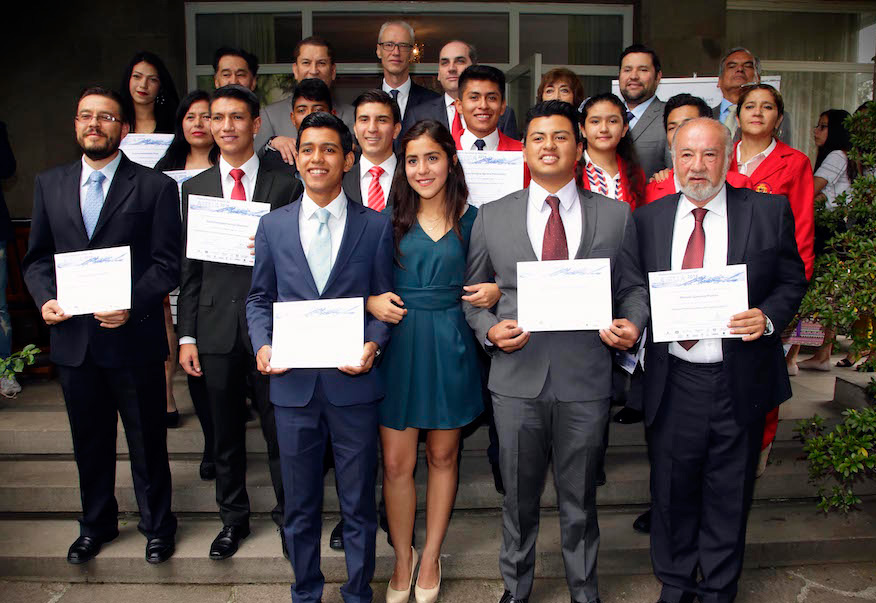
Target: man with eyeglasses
(110,363)
(395,46)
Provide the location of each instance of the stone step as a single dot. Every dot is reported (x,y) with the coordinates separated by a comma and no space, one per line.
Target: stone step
(52,486)
(779,534)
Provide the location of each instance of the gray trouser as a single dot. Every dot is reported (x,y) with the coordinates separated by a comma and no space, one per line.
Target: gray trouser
(530,431)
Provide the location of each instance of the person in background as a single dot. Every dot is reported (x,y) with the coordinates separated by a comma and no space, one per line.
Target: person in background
(234,66)
(9,386)
(561,84)
(639,75)
(395,46)
(149,94)
(377,125)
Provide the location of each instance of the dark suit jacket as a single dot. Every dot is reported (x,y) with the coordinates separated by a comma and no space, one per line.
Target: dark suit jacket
(363,267)
(141,211)
(761,236)
(353,187)
(212,297)
(437,110)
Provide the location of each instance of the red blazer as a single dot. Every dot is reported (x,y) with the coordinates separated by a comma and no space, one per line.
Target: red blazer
(656,190)
(506,143)
(633,202)
(788,172)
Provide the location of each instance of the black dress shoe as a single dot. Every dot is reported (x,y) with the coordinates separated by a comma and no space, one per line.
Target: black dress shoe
(207,471)
(497,479)
(643,523)
(628,416)
(159,550)
(336,540)
(171,419)
(507,598)
(226,543)
(85,548)
(283,544)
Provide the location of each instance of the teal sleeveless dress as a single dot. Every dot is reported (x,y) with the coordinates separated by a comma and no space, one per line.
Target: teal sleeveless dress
(430,367)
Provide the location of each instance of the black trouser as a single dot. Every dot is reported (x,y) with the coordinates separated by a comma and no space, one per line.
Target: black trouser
(702,479)
(226,377)
(95,398)
(198,392)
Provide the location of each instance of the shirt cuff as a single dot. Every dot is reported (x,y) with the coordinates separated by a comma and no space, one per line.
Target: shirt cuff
(770,329)
(185,340)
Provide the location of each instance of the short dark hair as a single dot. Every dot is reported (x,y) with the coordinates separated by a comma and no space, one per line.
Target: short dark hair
(685,100)
(655,60)
(238,92)
(314,41)
(320,119)
(553,107)
(472,51)
(480,73)
(313,89)
(252,61)
(378,96)
(110,94)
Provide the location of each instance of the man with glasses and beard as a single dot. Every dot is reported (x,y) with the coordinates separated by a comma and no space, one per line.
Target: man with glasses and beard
(111,363)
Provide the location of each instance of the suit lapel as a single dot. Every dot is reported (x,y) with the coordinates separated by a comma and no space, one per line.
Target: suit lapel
(649,116)
(352,233)
(520,237)
(294,232)
(352,186)
(263,185)
(122,186)
(588,223)
(664,226)
(738,224)
(72,201)
(769,166)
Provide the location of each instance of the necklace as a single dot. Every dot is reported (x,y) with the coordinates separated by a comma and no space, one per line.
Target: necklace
(433,223)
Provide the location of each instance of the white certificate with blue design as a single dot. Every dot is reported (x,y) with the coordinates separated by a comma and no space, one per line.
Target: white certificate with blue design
(94,280)
(491,175)
(146,149)
(219,230)
(564,295)
(697,303)
(322,333)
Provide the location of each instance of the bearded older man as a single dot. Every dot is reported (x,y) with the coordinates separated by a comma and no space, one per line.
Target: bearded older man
(705,401)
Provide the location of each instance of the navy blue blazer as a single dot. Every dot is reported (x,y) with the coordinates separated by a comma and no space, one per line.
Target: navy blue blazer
(363,267)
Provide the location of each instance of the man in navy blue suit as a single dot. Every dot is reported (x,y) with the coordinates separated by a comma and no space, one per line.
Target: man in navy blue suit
(322,247)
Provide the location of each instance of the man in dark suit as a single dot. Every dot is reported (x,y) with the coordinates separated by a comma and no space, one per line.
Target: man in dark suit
(323,247)
(705,400)
(395,45)
(640,73)
(453,58)
(377,125)
(213,339)
(112,363)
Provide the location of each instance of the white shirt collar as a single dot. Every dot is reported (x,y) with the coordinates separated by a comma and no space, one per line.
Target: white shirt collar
(467,140)
(403,90)
(718,205)
(337,208)
(588,160)
(448,100)
(388,165)
(760,156)
(250,167)
(109,170)
(640,109)
(537,195)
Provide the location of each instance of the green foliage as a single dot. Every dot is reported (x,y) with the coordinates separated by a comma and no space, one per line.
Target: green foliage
(18,360)
(846,455)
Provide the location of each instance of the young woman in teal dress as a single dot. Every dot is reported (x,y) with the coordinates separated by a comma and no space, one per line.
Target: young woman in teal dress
(430,366)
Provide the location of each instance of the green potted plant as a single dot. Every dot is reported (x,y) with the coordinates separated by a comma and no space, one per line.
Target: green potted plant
(16,362)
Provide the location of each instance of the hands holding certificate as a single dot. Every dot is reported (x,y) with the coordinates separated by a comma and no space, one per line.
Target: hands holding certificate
(621,335)
(263,361)
(54,314)
(751,324)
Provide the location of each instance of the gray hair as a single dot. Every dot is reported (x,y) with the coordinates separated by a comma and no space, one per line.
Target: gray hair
(757,68)
(728,146)
(403,24)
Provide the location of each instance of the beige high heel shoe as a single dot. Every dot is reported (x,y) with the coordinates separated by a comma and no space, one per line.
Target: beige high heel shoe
(428,595)
(402,596)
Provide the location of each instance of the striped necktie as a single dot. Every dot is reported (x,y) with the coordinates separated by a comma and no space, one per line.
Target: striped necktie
(93,201)
(376,199)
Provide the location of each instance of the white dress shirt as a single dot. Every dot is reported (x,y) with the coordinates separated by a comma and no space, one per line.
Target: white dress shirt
(467,140)
(747,168)
(450,104)
(404,92)
(612,184)
(109,171)
(308,223)
(715,226)
(385,179)
(250,174)
(639,111)
(538,212)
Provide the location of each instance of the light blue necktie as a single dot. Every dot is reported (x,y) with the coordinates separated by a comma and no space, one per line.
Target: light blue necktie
(93,201)
(319,256)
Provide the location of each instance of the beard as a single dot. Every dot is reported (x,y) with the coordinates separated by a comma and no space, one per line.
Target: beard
(702,192)
(100,149)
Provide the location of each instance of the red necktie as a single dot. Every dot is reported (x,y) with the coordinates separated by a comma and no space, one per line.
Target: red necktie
(693,255)
(456,126)
(554,246)
(238,193)
(376,200)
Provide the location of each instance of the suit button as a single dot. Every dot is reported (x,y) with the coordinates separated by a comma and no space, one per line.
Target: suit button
(233,300)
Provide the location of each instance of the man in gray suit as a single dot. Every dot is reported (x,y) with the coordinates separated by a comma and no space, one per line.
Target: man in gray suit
(551,390)
(639,76)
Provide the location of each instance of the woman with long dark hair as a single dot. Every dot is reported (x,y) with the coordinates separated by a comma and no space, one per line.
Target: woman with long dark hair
(193,146)
(609,166)
(430,367)
(149,95)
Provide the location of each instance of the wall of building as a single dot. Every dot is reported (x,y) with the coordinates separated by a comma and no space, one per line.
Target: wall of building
(688,36)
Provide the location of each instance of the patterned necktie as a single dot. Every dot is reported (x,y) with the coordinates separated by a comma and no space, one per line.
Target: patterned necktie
(319,255)
(93,201)
(554,246)
(730,120)
(456,126)
(596,179)
(238,193)
(376,200)
(480,144)
(693,255)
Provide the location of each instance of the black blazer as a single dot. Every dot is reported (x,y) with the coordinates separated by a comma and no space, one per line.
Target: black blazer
(353,188)
(212,296)
(141,210)
(761,236)
(437,110)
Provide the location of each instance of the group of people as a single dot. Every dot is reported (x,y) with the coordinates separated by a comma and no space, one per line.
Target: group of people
(371,201)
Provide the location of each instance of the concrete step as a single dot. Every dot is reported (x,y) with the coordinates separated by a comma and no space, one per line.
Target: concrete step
(778,535)
(52,486)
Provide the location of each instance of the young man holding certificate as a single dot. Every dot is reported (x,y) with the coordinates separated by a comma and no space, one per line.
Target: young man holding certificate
(705,398)
(551,389)
(120,219)
(216,273)
(317,253)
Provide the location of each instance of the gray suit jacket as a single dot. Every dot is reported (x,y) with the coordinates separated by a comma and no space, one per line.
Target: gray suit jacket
(578,362)
(649,139)
(784,133)
(276,121)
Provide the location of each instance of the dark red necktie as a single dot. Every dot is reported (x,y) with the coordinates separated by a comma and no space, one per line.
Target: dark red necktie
(238,193)
(554,246)
(693,255)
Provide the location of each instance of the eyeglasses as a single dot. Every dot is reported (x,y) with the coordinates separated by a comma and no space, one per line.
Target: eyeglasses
(390,46)
(105,118)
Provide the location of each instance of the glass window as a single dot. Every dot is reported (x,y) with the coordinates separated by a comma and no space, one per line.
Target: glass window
(572,39)
(270,87)
(271,37)
(354,36)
